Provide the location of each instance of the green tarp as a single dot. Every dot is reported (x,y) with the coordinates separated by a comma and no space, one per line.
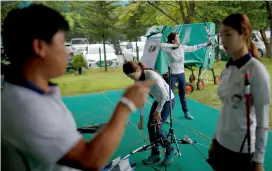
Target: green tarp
(190,34)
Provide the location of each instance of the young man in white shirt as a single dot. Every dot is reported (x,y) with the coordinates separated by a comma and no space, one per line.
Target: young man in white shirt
(39,133)
(229,148)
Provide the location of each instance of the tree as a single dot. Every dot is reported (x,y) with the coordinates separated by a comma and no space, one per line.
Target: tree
(99,20)
(79,62)
(180,12)
(268,44)
(67,9)
(258,13)
(130,21)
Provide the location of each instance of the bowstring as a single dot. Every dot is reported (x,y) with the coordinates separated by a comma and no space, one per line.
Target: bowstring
(208,30)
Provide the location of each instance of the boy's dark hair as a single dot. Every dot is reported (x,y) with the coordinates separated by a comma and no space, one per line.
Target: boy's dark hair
(22,26)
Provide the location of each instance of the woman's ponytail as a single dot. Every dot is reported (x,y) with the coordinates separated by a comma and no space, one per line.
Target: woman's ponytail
(143,67)
(253,50)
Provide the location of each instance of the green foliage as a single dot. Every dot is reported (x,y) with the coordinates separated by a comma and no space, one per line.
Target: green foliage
(78,61)
(70,10)
(130,21)
(95,19)
(6,7)
(216,11)
(70,20)
(99,20)
(148,15)
(64,8)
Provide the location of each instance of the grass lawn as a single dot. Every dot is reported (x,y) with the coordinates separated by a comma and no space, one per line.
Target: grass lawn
(96,80)
(93,80)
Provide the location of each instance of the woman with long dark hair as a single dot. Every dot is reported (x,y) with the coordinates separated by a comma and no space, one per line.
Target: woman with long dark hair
(240,142)
(159,112)
(175,52)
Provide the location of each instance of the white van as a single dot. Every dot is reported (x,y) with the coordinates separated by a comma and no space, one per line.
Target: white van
(79,44)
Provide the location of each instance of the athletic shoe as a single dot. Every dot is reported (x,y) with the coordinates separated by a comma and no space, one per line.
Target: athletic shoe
(152,159)
(170,157)
(188,116)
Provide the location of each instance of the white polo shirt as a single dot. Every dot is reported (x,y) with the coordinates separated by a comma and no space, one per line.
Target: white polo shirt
(232,125)
(159,91)
(176,56)
(37,128)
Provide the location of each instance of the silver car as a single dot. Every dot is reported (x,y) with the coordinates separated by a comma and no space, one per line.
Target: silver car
(255,39)
(95,57)
(79,44)
(259,44)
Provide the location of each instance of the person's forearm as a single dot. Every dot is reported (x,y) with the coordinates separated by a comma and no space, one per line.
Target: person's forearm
(262,117)
(101,148)
(141,111)
(163,98)
(194,48)
(141,117)
(168,45)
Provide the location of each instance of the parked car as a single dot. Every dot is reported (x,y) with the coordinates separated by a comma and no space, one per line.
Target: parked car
(224,56)
(70,57)
(92,56)
(79,44)
(69,63)
(117,48)
(129,50)
(115,44)
(259,44)
(258,34)
(141,46)
(70,48)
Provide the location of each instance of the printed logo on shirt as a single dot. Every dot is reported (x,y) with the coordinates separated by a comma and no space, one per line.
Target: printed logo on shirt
(152,48)
(236,100)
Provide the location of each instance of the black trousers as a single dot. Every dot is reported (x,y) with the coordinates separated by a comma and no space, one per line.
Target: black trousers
(223,159)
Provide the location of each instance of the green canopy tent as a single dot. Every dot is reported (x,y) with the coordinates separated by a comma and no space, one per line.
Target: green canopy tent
(189,34)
